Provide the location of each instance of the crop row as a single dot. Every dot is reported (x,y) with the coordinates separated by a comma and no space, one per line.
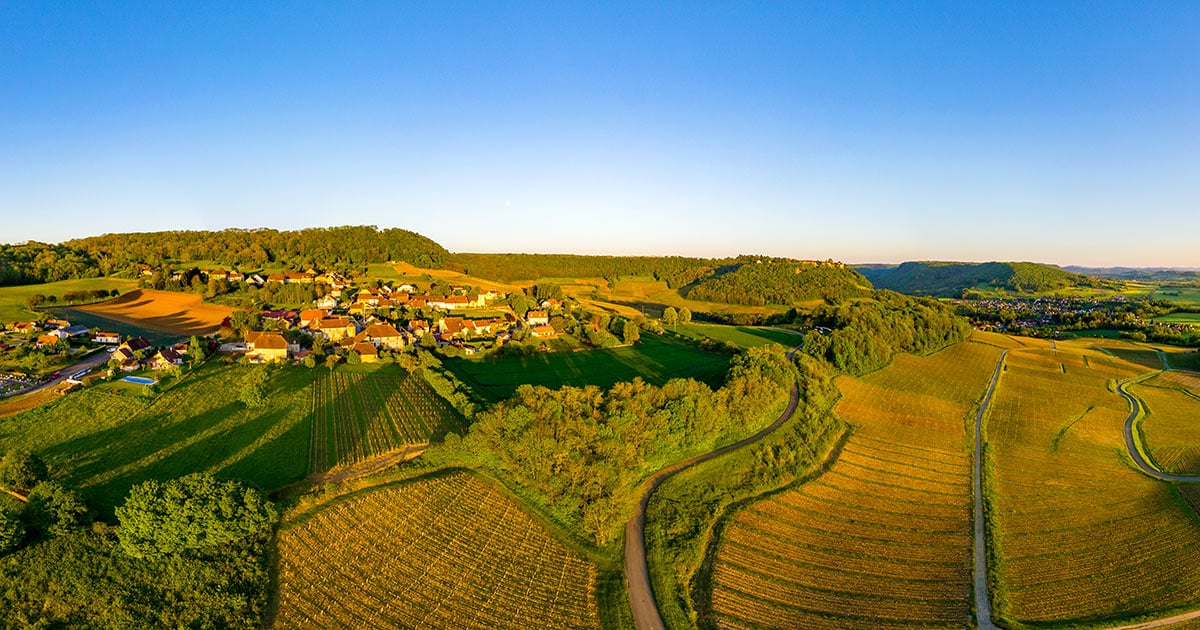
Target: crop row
(448,552)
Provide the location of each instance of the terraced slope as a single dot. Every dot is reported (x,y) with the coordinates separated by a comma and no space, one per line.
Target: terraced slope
(1079,534)
(447,552)
(883,539)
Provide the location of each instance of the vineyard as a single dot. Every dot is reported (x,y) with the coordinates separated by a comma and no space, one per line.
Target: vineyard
(360,414)
(883,537)
(1171,428)
(1080,535)
(448,552)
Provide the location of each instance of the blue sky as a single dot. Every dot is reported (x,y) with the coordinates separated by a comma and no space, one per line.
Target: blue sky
(862,131)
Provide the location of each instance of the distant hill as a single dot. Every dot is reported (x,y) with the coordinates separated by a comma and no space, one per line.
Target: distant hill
(950,279)
(781,282)
(1156,274)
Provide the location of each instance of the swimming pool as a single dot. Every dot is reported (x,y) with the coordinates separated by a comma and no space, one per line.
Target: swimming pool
(139,380)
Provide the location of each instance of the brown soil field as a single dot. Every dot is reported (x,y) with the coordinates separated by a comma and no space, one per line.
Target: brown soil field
(407,269)
(165,311)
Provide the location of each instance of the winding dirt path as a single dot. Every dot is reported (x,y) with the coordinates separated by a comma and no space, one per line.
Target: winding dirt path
(983,600)
(1135,409)
(637,571)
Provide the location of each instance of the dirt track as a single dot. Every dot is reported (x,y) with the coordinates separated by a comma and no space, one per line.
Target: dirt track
(637,571)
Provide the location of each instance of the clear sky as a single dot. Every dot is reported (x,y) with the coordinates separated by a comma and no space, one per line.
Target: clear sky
(1054,131)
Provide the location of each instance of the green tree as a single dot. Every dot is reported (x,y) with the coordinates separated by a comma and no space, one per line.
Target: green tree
(670,316)
(253,388)
(197,350)
(242,321)
(20,471)
(55,509)
(35,300)
(685,316)
(12,531)
(630,332)
(310,362)
(331,361)
(191,514)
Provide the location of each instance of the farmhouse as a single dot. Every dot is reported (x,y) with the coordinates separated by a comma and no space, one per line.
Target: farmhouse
(543,331)
(385,335)
(366,352)
(106,337)
(48,339)
(327,302)
(537,318)
(71,331)
(134,345)
(334,328)
(264,347)
(307,317)
(165,359)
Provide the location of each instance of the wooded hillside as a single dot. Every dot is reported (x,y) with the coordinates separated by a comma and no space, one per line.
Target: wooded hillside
(950,279)
(782,282)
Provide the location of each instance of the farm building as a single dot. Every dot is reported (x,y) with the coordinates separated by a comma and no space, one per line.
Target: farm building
(384,335)
(334,328)
(106,337)
(366,352)
(537,318)
(263,347)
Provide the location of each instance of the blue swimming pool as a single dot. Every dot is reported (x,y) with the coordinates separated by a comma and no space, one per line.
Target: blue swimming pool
(139,380)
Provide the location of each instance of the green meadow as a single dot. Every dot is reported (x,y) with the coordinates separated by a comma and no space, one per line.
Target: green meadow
(744,337)
(655,359)
(12,299)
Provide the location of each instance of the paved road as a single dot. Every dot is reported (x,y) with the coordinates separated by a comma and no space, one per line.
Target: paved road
(100,358)
(637,572)
(983,600)
(1146,467)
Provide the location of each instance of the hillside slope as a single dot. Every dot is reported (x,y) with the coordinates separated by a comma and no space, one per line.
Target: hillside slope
(782,282)
(950,279)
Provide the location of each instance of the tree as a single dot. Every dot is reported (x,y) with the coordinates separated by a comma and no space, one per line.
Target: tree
(20,471)
(253,390)
(55,509)
(197,350)
(12,531)
(35,300)
(331,361)
(195,513)
(630,332)
(670,316)
(242,321)
(685,316)
(310,362)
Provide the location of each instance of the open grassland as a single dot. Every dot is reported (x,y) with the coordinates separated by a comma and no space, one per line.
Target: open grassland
(883,538)
(105,443)
(12,299)
(174,313)
(744,337)
(1078,535)
(446,552)
(1182,358)
(997,339)
(653,296)
(1188,296)
(655,359)
(358,414)
(1171,426)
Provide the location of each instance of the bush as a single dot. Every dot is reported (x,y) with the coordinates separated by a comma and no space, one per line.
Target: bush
(21,471)
(12,532)
(191,514)
(55,510)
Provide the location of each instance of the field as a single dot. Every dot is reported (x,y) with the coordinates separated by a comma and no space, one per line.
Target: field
(1078,535)
(1171,426)
(1189,296)
(447,552)
(1180,318)
(1182,359)
(104,443)
(180,314)
(1136,354)
(741,336)
(655,359)
(361,413)
(12,299)
(882,539)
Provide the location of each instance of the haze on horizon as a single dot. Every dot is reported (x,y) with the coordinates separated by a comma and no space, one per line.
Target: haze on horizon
(1055,132)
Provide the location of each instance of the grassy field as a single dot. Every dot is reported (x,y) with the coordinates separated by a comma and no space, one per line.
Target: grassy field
(1189,296)
(1137,354)
(741,336)
(12,299)
(125,328)
(1179,318)
(172,313)
(363,412)
(105,443)
(655,359)
(1171,426)
(1079,537)
(882,539)
(447,552)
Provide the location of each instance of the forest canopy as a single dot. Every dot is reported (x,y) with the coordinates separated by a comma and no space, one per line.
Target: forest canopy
(782,282)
